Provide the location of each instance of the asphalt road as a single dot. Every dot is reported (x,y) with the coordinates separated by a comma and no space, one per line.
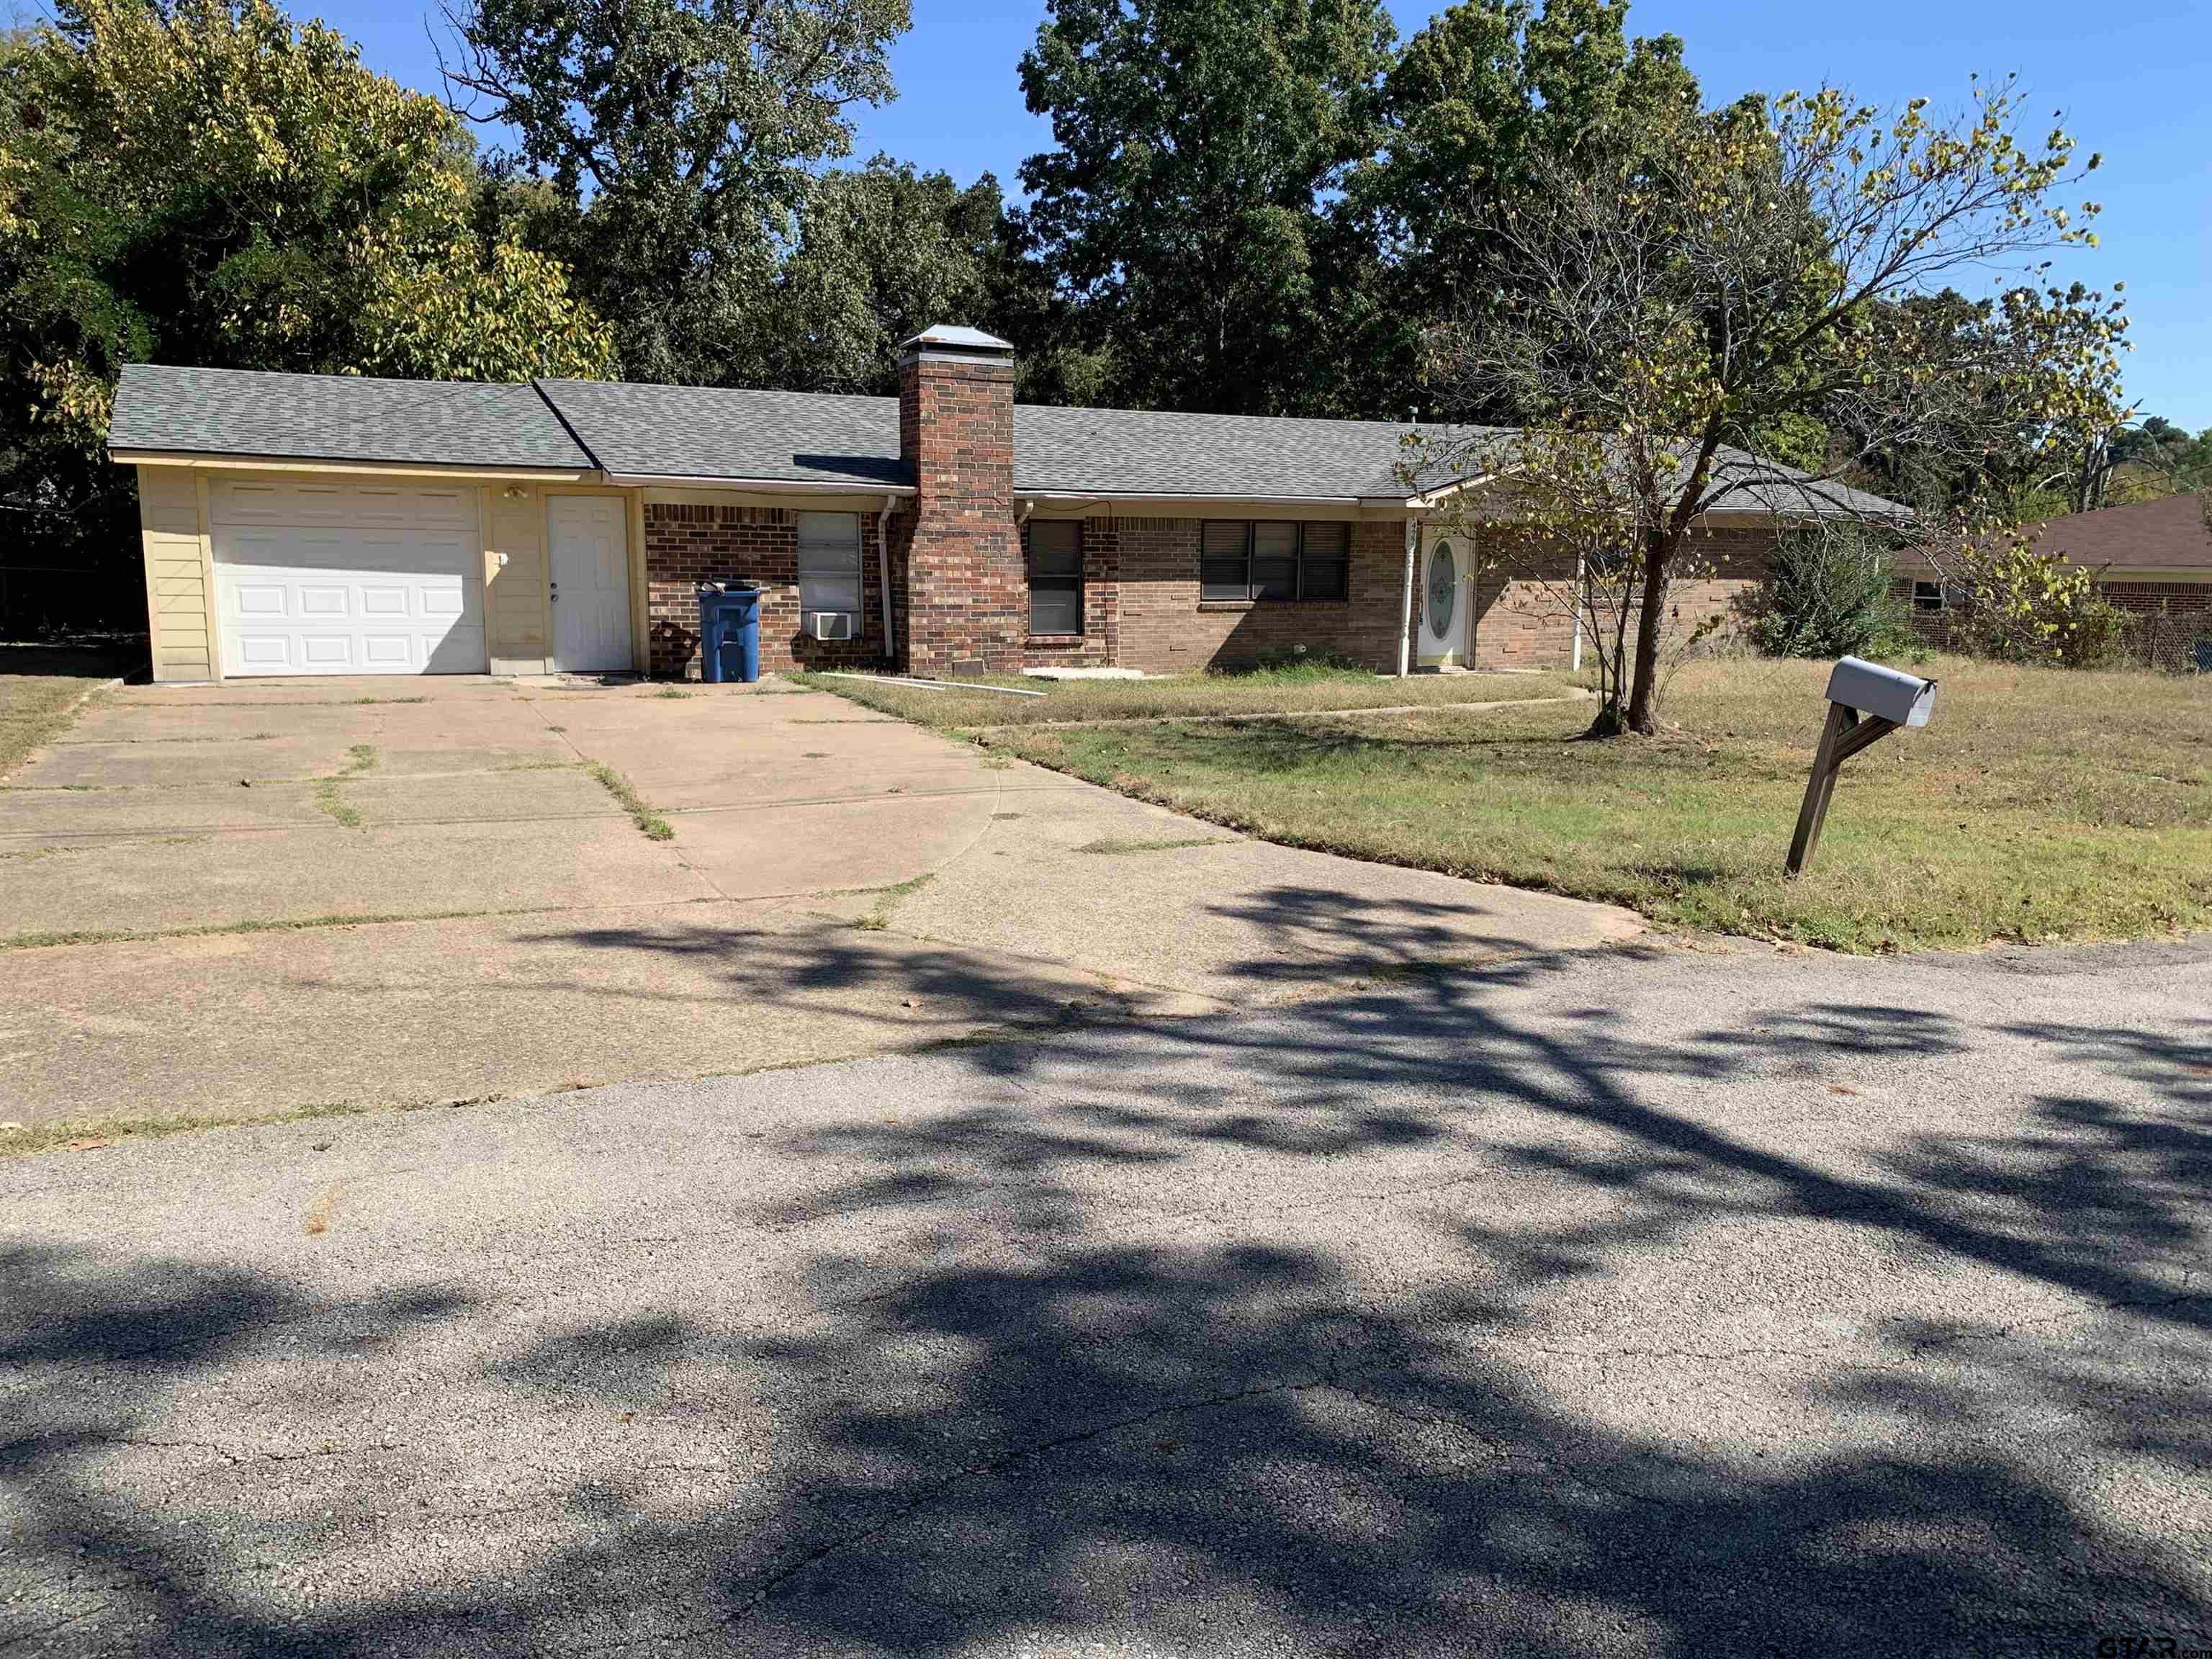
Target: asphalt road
(1642,1302)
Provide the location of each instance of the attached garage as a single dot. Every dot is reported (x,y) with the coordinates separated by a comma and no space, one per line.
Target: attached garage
(298,525)
(316,576)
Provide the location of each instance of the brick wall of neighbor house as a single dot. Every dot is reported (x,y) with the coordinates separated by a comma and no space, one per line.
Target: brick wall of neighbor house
(2171,618)
(966,586)
(687,542)
(2173,598)
(2144,598)
(1099,646)
(1166,629)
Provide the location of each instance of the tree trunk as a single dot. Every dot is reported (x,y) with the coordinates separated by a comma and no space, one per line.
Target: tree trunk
(1644,693)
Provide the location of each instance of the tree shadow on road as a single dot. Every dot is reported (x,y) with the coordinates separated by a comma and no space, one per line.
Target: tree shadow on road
(1353,1330)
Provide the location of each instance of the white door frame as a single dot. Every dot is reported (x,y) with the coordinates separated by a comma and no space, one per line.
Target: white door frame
(630,554)
(1446,649)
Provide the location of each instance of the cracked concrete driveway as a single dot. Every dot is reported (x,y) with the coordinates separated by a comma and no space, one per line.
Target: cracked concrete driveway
(1641,1303)
(269,897)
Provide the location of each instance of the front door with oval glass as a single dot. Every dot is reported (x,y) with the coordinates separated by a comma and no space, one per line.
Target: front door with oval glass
(1441,602)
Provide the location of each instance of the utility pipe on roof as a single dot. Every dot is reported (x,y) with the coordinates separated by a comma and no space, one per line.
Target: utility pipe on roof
(883,573)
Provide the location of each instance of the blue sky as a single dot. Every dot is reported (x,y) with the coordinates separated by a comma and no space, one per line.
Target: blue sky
(2135,80)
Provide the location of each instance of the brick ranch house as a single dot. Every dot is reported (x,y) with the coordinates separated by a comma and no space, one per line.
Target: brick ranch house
(300,524)
(2153,558)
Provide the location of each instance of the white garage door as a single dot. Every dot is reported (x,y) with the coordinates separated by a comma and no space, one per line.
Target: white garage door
(317,576)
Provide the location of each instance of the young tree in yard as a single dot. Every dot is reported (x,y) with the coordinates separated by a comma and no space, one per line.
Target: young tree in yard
(1181,211)
(1676,303)
(205,182)
(682,134)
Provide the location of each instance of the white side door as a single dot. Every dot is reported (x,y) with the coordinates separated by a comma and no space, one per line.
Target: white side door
(589,559)
(1440,598)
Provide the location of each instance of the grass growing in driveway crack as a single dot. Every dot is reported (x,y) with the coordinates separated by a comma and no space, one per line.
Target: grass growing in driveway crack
(889,900)
(1110,845)
(650,824)
(300,924)
(326,789)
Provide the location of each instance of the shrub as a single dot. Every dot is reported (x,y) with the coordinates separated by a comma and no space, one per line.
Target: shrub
(2103,636)
(2005,600)
(1830,595)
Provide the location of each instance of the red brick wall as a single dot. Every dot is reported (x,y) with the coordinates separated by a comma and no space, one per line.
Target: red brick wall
(966,605)
(1100,643)
(963,601)
(2172,617)
(1165,629)
(688,543)
(1524,612)
(2174,599)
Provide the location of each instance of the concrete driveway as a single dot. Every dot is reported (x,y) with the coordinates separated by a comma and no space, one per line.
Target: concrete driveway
(271,897)
(1644,1305)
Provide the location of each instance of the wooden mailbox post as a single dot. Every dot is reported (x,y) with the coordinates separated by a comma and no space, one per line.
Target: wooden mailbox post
(1866,703)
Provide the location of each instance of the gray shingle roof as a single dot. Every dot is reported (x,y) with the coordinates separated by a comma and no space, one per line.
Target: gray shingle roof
(1751,483)
(1131,452)
(338,417)
(1765,486)
(705,432)
(810,438)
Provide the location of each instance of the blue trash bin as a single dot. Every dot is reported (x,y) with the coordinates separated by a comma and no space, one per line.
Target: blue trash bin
(729,633)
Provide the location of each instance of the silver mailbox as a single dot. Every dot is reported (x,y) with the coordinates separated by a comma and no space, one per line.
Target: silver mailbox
(1890,693)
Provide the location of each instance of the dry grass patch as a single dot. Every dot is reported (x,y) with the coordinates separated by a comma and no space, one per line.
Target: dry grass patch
(2041,804)
(40,686)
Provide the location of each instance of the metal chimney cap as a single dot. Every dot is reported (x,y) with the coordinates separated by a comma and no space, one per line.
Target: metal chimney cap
(949,342)
(954,335)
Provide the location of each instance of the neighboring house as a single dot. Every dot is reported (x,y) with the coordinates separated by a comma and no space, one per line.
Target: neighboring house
(2153,558)
(323,524)
(2150,556)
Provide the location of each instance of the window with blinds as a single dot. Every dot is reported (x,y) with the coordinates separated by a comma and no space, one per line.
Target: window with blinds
(1273,560)
(1055,551)
(829,561)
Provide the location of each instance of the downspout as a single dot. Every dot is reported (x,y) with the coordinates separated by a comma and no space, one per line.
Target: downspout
(884,575)
(1581,578)
(1024,507)
(1406,607)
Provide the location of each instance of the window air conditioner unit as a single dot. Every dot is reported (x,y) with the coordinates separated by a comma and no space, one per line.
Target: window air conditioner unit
(830,624)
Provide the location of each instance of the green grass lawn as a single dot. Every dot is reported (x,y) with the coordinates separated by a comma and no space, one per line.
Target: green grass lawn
(1300,689)
(2041,804)
(38,685)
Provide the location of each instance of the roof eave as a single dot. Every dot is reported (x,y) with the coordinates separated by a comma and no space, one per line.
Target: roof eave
(1029,493)
(762,486)
(227,460)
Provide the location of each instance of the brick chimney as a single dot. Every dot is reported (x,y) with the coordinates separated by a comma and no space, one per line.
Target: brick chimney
(967,591)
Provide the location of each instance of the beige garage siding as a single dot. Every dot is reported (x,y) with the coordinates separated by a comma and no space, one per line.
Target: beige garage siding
(180,581)
(180,605)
